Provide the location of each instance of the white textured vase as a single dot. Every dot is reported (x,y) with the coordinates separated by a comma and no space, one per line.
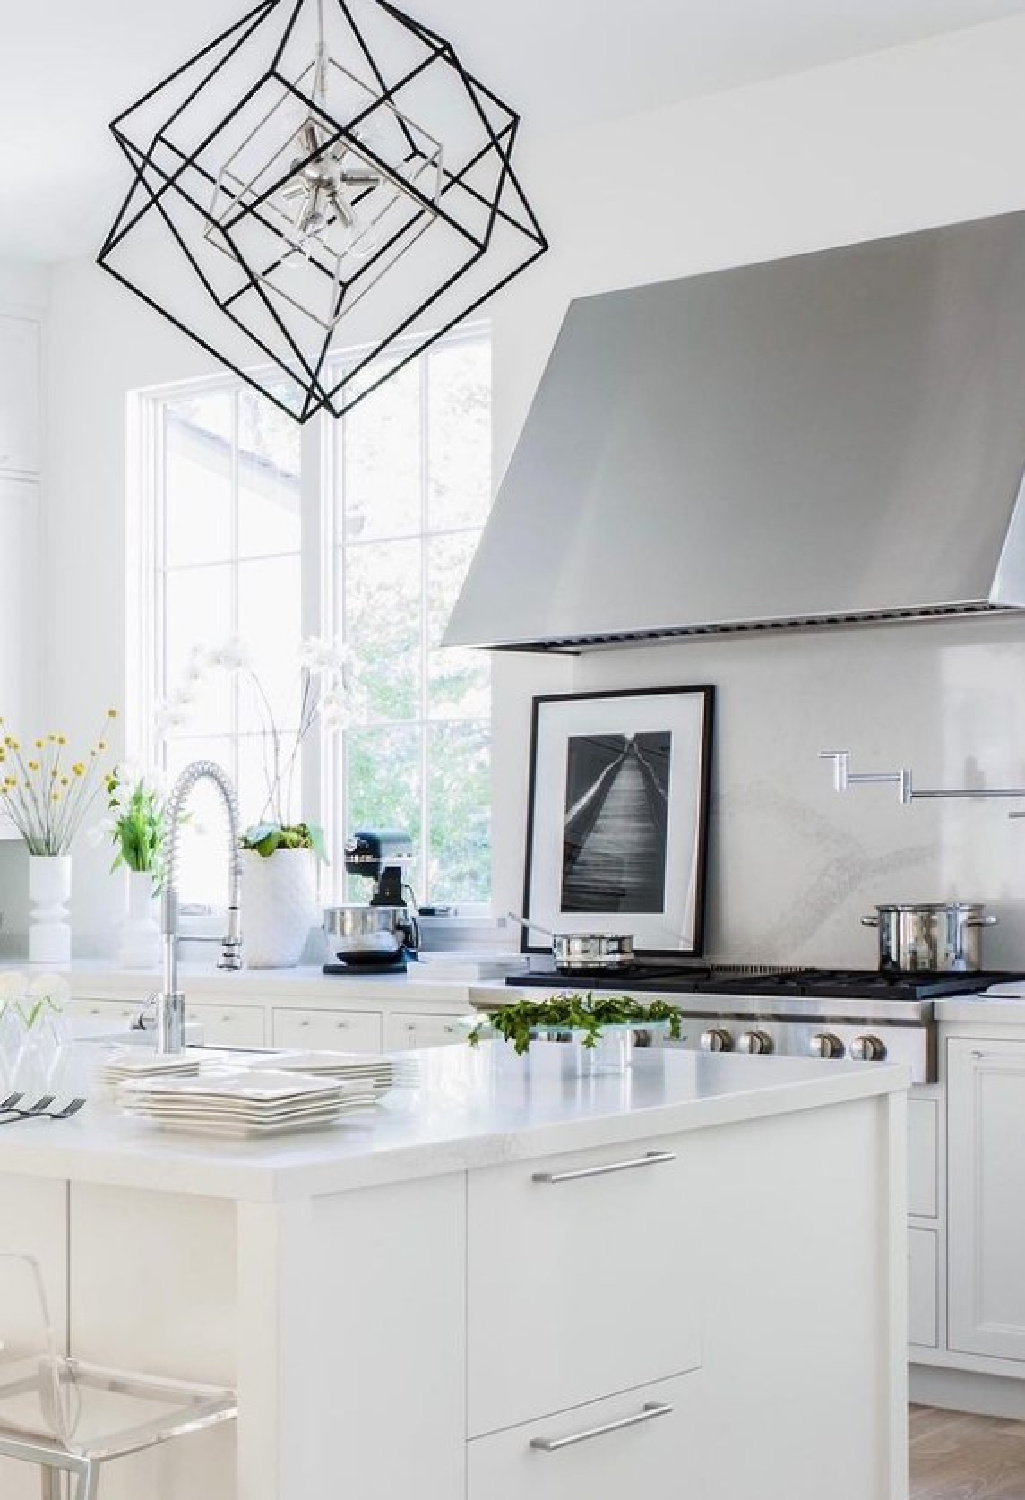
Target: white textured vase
(49,891)
(138,944)
(278,907)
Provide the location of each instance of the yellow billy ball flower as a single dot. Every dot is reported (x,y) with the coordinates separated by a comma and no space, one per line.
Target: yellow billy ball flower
(64,781)
(33,765)
(39,744)
(62,739)
(111,713)
(102,745)
(56,796)
(78,769)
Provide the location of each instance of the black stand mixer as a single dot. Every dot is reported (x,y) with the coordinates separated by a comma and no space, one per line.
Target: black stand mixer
(383,933)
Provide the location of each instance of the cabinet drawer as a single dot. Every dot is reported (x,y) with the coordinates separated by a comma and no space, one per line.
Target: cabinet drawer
(228,1025)
(923,1290)
(923,1157)
(404,1030)
(645,1443)
(583,1277)
(105,1010)
(347,1030)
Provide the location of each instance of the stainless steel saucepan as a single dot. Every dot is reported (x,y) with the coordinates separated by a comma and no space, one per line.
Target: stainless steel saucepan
(940,936)
(585,952)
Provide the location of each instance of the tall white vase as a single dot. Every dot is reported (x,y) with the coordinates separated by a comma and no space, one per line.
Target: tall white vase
(139,944)
(49,891)
(278,907)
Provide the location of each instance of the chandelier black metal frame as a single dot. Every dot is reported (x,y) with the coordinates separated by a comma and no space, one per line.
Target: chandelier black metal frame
(299,187)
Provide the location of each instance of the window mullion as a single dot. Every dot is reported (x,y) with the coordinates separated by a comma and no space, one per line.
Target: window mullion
(425,801)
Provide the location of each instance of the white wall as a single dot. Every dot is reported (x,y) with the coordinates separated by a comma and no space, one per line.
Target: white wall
(920,135)
(23,289)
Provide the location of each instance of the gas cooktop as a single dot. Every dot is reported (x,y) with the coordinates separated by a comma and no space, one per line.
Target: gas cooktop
(841,984)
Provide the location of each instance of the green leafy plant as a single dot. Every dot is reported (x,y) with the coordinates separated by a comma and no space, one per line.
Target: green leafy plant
(266,838)
(524,1020)
(136,822)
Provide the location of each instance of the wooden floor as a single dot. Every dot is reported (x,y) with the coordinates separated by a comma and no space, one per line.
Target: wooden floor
(955,1456)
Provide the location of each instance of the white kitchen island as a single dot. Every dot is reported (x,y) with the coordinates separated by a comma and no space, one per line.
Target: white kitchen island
(697,1268)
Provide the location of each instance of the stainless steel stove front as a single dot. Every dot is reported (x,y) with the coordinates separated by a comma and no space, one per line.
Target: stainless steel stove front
(863,1039)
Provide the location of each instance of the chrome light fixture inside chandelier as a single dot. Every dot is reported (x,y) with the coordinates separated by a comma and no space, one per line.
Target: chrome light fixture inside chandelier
(325,176)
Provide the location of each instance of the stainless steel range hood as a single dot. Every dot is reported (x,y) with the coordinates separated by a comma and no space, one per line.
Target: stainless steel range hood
(829,438)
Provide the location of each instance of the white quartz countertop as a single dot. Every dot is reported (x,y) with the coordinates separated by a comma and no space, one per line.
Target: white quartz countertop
(1000,1005)
(472,1108)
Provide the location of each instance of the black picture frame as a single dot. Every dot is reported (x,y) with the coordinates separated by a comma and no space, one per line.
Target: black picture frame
(602,764)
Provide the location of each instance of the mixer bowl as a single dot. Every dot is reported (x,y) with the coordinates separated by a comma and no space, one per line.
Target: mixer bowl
(369,934)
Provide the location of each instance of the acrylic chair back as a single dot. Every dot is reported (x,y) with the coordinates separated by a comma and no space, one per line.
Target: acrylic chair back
(36,1392)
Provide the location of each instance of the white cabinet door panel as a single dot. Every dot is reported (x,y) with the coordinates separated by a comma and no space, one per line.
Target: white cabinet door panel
(986,1197)
(650,1449)
(403,1030)
(923,1157)
(923,1290)
(19,394)
(228,1025)
(566,1279)
(341,1030)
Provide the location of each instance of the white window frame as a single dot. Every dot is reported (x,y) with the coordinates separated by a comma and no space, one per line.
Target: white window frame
(323,763)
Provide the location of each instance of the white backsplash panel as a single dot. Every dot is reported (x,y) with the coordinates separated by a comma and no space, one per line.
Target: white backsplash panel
(793,864)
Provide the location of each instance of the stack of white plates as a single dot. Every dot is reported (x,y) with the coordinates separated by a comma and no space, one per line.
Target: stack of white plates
(140,1062)
(372,1070)
(244,1104)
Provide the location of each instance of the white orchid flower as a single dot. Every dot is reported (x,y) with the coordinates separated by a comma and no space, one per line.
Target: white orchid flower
(233,656)
(100,833)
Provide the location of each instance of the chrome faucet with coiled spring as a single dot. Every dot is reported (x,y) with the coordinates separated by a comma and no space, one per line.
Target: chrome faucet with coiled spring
(170,1003)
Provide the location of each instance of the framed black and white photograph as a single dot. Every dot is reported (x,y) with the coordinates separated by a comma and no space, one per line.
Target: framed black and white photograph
(617,832)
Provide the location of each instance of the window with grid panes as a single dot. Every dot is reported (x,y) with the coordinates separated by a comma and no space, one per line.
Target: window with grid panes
(402,501)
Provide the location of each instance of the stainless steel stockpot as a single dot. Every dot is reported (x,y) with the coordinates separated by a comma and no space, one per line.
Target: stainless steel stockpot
(369,933)
(941,936)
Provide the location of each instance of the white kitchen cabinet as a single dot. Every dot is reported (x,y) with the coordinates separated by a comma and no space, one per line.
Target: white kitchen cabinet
(572,1224)
(923,1156)
(228,1025)
(342,1030)
(19,395)
(986,1200)
(405,1029)
(646,1442)
(115,1011)
(923,1288)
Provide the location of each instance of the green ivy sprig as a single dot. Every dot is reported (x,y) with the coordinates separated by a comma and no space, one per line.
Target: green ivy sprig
(520,1022)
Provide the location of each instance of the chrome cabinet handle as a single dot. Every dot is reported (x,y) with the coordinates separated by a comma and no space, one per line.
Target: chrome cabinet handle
(649,1159)
(648,1413)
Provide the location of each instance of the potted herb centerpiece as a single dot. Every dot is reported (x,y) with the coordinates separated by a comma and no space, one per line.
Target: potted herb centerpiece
(279,852)
(136,826)
(600,1027)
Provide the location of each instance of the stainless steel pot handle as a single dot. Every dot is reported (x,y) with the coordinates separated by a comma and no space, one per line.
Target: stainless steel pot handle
(870,921)
(981,921)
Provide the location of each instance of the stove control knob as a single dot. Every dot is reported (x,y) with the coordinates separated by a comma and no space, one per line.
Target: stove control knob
(716,1039)
(825,1044)
(754,1042)
(868,1049)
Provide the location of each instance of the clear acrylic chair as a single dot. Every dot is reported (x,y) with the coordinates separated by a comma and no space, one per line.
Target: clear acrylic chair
(69,1417)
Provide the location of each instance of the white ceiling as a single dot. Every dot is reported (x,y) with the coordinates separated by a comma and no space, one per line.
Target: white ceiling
(67,67)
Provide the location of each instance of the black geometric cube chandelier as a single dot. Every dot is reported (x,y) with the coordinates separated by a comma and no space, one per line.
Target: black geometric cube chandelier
(324,176)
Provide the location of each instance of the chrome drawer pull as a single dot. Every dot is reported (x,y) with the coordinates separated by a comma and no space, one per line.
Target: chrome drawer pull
(649,1159)
(648,1413)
